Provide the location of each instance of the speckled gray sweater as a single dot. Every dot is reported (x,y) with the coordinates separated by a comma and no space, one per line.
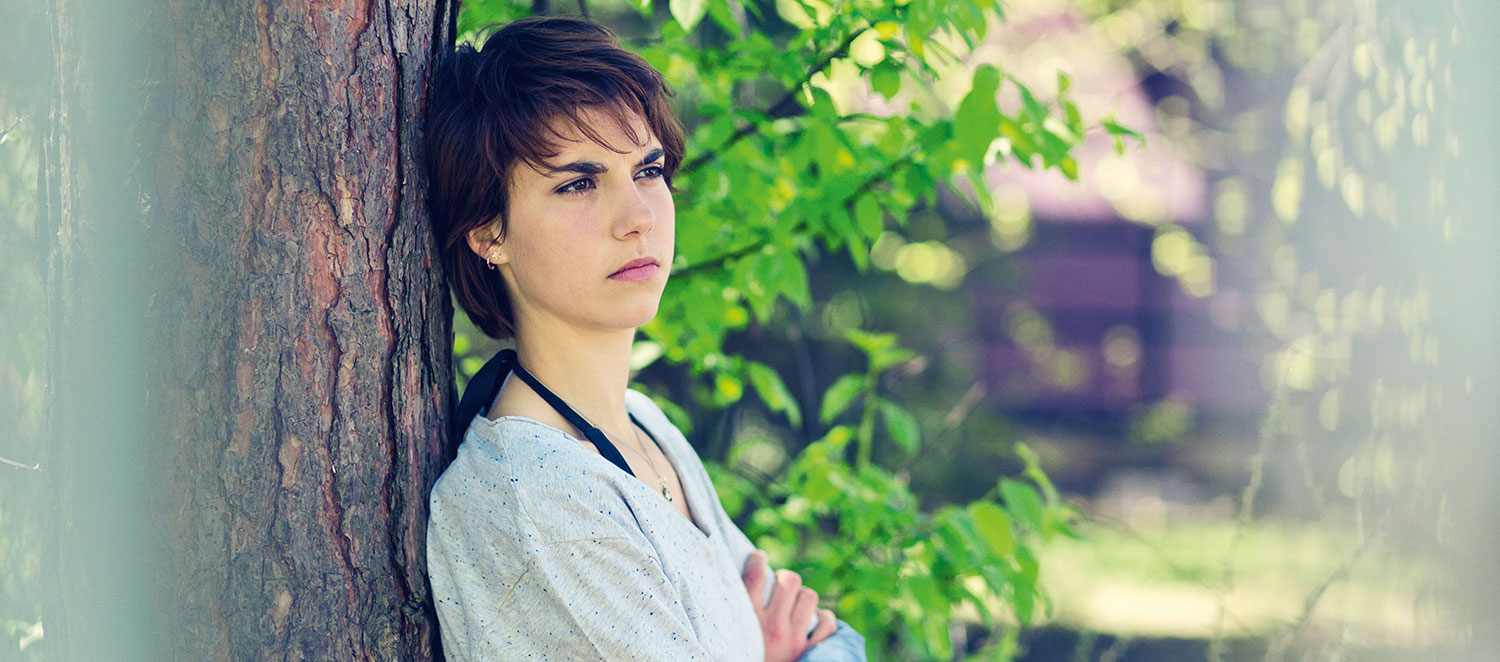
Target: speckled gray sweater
(540,549)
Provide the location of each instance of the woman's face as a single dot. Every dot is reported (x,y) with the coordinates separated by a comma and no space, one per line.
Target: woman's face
(571,230)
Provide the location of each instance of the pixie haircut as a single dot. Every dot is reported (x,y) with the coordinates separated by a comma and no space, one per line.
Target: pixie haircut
(489,110)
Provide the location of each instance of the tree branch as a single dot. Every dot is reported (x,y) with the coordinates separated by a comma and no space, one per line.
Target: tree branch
(755,245)
(784,104)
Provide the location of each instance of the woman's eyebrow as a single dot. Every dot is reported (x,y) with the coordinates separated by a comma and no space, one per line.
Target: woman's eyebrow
(595,168)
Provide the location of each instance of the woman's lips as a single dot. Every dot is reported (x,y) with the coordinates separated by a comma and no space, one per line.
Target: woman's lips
(636,274)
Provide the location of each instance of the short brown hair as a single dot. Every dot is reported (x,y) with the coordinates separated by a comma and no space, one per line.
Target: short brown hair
(489,109)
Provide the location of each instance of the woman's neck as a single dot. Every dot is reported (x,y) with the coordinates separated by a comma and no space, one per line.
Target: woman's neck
(588,371)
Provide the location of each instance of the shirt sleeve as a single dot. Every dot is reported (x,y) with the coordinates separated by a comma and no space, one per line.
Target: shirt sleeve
(596,598)
(603,596)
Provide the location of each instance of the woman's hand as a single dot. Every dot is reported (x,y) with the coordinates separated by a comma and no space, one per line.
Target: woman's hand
(783,622)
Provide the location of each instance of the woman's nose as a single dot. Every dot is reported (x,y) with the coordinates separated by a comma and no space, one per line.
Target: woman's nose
(636,214)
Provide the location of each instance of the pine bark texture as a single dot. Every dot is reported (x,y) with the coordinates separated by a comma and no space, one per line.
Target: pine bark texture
(237,229)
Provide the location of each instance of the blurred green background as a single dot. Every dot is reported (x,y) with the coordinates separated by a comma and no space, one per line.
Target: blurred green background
(1052,329)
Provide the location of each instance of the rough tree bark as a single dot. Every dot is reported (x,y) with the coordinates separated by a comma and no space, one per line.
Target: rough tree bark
(250,366)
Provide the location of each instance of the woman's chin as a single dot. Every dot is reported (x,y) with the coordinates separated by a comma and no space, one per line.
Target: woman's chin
(640,315)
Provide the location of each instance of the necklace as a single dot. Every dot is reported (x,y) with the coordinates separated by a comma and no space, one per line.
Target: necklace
(664,490)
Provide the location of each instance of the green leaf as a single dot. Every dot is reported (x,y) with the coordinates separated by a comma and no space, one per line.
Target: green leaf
(1034,109)
(867,216)
(793,283)
(858,252)
(819,489)
(885,79)
(1074,117)
(994,526)
(766,271)
(1023,501)
(1117,130)
(1024,584)
(720,12)
(870,343)
(822,106)
(1024,596)
(1034,472)
(925,591)
(953,534)
(734,490)
(470,365)
(774,391)
(1069,167)
(688,12)
(676,414)
(837,439)
(728,388)
(902,426)
(839,396)
(886,358)
(976,123)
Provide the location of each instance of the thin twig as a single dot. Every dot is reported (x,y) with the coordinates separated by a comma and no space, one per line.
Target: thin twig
(33,467)
(1274,413)
(1308,479)
(1276,651)
(756,243)
(1166,559)
(6,133)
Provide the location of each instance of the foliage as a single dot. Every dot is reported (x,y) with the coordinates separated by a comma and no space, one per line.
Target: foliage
(775,180)
(896,572)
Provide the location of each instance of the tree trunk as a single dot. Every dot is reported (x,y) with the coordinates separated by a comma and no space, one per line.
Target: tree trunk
(250,352)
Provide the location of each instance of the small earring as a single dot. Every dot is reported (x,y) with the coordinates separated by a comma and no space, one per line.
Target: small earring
(495,255)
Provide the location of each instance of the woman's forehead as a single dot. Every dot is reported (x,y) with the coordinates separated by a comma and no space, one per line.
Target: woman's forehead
(569,143)
(569,137)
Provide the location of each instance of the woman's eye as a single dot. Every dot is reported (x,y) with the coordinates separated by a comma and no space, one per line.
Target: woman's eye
(580,186)
(576,188)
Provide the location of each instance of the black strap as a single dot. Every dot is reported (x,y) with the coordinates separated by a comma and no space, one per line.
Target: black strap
(485,385)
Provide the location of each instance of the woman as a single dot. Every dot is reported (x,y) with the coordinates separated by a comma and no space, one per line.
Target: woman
(575,521)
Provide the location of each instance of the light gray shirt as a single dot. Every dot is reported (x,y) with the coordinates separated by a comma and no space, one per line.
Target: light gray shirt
(539,548)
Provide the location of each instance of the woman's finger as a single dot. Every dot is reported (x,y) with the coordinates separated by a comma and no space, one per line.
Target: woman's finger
(787,583)
(803,610)
(827,624)
(754,576)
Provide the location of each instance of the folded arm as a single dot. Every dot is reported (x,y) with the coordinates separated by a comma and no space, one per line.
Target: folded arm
(845,644)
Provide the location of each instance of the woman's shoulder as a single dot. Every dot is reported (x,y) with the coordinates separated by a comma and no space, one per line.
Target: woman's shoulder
(650,414)
(520,474)
(640,404)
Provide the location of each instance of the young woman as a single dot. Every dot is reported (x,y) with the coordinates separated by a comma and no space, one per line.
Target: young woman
(575,522)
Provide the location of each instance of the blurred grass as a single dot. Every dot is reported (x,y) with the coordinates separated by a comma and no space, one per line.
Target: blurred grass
(1166,582)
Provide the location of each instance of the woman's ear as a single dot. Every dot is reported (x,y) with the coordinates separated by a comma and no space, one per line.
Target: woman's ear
(486,244)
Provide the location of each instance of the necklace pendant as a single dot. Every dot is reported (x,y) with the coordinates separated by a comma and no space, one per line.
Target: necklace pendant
(666,492)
